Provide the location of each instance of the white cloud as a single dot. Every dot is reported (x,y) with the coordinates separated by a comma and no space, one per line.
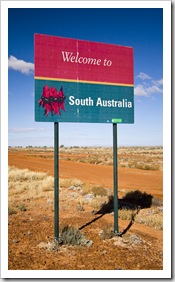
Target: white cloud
(24,130)
(143,76)
(140,90)
(157,82)
(147,89)
(20,65)
(154,89)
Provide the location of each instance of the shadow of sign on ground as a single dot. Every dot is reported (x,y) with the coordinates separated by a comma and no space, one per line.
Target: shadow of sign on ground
(134,200)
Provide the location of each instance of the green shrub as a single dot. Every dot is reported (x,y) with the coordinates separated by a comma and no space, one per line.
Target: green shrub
(73,236)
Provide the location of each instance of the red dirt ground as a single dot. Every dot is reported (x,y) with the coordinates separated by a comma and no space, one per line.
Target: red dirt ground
(29,229)
(144,180)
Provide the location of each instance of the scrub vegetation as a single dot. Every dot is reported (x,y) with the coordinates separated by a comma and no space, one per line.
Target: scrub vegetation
(144,158)
(25,185)
(86,209)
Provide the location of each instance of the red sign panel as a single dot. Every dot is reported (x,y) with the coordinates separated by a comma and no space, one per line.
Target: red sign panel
(84,61)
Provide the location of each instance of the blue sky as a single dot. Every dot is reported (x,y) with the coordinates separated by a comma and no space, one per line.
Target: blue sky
(140,28)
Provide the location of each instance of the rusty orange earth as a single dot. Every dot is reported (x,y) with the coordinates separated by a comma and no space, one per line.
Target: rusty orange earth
(145,180)
(27,230)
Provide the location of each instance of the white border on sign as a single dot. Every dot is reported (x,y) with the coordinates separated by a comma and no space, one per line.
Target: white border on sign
(166,272)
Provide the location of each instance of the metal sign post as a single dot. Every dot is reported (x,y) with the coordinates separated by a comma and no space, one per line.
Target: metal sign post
(115,171)
(56,182)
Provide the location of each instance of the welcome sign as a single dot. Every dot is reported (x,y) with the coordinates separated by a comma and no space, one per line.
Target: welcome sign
(83,81)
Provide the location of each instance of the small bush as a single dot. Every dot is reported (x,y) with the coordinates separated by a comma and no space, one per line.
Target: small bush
(155,221)
(151,167)
(22,208)
(95,190)
(107,234)
(80,207)
(156,202)
(87,189)
(143,166)
(99,191)
(97,202)
(73,236)
(124,214)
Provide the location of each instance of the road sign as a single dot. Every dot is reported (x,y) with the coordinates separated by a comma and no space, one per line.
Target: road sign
(83,81)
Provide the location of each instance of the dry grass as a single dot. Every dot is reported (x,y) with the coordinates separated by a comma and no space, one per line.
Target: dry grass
(51,246)
(151,217)
(15,174)
(28,184)
(66,183)
(125,214)
(25,185)
(97,202)
(34,184)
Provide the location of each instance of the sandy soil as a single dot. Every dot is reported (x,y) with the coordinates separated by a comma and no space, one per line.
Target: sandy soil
(140,248)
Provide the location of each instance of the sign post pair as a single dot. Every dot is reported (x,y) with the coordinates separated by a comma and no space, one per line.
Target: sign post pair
(86,82)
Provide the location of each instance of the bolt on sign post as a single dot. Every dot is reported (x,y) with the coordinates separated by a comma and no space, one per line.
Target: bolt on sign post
(86,82)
